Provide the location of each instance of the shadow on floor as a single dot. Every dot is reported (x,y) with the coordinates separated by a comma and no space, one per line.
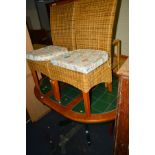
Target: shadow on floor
(43,137)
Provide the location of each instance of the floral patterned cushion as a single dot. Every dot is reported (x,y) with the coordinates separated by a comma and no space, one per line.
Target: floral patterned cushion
(46,53)
(81,60)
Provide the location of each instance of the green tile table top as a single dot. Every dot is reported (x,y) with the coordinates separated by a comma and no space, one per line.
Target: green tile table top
(102,101)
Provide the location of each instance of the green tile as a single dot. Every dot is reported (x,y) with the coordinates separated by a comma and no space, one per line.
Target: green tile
(100,105)
(79,108)
(94,111)
(107,98)
(65,100)
(45,85)
(99,87)
(69,91)
(104,101)
(73,94)
(112,106)
(74,89)
(113,93)
(93,100)
(97,93)
(108,93)
(44,90)
(63,91)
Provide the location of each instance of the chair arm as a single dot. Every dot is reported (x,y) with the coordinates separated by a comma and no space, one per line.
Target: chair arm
(117,43)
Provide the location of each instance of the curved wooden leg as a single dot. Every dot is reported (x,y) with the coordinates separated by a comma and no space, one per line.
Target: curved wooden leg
(109,86)
(55,88)
(86,99)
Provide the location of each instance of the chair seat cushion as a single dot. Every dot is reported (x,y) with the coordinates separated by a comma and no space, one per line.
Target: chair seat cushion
(46,53)
(81,60)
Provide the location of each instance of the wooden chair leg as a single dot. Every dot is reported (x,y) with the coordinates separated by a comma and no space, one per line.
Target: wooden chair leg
(55,88)
(36,79)
(105,85)
(86,99)
(109,86)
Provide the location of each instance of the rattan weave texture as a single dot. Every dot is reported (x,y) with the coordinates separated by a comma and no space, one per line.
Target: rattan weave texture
(94,21)
(62,24)
(84,82)
(40,66)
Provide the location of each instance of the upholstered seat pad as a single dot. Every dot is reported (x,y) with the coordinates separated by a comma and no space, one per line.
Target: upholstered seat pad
(46,53)
(81,60)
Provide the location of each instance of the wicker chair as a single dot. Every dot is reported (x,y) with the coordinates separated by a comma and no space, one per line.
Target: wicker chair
(64,38)
(82,25)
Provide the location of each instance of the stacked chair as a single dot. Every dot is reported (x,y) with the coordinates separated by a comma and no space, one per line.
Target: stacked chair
(81,55)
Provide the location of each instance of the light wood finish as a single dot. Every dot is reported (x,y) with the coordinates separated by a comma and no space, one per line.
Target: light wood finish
(123,58)
(117,43)
(56,91)
(124,70)
(34,107)
(86,99)
(109,86)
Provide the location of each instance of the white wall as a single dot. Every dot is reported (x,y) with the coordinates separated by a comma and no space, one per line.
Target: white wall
(122,31)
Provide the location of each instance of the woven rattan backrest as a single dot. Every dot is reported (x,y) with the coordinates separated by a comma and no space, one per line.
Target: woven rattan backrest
(94,23)
(62,24)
